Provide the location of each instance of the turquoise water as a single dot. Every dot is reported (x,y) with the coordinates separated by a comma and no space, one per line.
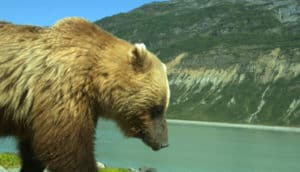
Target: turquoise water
(199,148)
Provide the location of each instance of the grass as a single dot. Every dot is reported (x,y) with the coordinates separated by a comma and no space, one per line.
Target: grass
(11,160)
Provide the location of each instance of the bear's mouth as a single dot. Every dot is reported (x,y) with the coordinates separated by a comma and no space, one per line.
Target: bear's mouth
(155,146)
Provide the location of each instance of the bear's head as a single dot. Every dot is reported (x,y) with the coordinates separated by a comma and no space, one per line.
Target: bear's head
(136,94)
(129,83)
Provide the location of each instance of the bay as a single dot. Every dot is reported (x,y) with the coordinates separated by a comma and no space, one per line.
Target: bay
(200,147)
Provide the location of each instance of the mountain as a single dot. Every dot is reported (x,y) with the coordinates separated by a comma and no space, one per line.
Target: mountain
(228,61)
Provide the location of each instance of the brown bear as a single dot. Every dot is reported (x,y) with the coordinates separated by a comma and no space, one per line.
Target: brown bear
(56,81)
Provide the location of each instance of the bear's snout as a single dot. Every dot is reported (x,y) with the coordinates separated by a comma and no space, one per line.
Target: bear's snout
(156,147)
(157,136)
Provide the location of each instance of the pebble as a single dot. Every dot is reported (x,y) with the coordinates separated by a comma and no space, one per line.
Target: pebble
(100,165)
(146,169)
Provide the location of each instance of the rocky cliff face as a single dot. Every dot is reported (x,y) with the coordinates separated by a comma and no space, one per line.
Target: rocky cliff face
(228,61)
(265,90)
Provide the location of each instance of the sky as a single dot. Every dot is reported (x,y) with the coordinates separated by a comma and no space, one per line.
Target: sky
(47,12)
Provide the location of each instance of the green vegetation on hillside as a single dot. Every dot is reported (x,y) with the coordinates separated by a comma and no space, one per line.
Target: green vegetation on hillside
(169,28)
(241,63)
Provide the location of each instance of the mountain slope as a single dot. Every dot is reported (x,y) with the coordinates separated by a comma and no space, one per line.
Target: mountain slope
(228,61)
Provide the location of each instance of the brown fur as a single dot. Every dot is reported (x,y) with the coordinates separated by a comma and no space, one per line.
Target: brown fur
(55,82)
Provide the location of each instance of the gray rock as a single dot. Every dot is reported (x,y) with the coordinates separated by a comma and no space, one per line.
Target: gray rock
(133,170)
(147,169)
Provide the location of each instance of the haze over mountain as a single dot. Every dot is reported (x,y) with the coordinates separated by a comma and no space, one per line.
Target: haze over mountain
(228,61)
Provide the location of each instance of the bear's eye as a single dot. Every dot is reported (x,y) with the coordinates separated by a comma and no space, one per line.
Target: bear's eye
(157,110)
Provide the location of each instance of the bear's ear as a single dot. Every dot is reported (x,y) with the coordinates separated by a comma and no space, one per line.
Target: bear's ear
(139,57)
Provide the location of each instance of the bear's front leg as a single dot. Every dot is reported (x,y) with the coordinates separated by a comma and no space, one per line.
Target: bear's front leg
(30,162)
(65,143)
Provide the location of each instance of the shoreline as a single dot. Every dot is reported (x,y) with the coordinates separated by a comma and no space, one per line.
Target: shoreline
(230,125)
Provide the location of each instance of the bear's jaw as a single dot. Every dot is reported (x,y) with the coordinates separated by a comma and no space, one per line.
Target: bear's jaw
(155,146)
(153,132)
